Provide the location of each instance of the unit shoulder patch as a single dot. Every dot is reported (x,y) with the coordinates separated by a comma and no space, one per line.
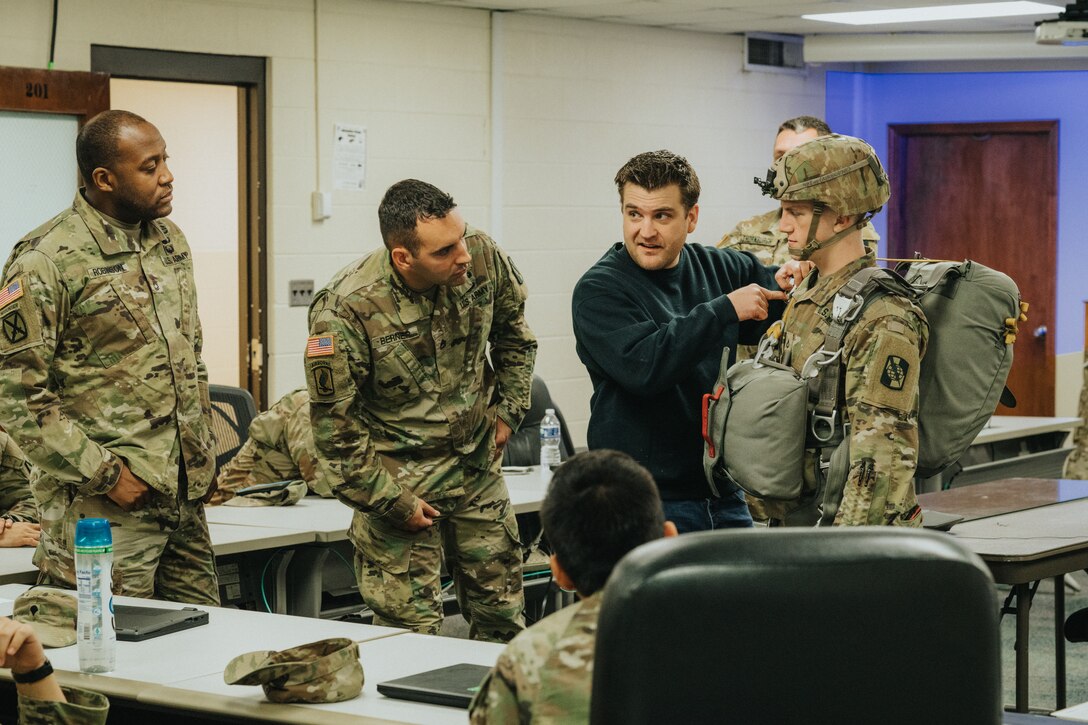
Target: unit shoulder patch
(895,372)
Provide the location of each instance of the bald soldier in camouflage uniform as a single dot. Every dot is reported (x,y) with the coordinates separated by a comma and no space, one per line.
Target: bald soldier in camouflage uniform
(101,380)
(412,415)
(829,188)
(19,522)
(600,505)
(280,447)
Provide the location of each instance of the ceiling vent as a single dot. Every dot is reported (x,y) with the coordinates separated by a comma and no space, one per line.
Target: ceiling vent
(774,53)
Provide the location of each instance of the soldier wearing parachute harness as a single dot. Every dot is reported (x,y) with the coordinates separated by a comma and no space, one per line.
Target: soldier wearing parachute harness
(860,457)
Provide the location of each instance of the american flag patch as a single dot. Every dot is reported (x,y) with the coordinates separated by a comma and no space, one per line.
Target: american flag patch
(319,346)
(11,293)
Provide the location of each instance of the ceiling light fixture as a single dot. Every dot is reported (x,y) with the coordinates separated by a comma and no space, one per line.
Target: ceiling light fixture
(937,12)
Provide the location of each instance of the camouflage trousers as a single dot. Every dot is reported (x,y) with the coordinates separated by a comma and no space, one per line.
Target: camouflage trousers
(253,464)
(399,571)
(161,551)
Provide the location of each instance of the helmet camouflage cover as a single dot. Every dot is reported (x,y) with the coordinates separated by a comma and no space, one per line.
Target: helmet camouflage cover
(841,172)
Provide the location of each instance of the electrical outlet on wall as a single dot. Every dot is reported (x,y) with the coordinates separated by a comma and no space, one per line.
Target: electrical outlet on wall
(300,292)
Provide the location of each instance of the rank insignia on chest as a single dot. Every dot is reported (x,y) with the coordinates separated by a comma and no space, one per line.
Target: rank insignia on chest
(320,346)
(11,293)
(895,372)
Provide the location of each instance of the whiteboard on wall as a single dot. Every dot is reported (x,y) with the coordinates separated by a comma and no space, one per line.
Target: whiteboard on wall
(37,172)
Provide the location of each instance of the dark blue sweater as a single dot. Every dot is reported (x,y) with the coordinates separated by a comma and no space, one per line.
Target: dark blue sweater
(652,342)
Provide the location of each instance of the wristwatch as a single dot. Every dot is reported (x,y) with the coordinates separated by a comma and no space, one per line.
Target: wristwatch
(29,678)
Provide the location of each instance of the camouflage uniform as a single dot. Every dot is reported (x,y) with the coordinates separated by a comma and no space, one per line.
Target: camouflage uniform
(545,674)
(1076,466)
(404,404)
(83,708)
(280,447)
(882,354)
(100,366)
(16,500)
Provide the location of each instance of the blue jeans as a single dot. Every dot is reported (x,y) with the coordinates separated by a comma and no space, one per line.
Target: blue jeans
(703,514)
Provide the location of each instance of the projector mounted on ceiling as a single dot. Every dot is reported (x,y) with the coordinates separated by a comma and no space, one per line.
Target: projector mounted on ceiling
(1069,28)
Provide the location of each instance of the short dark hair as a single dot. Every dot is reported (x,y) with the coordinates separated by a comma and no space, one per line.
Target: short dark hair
(96,142)
(804,123)
(658,169)
(599,506)
(405,203)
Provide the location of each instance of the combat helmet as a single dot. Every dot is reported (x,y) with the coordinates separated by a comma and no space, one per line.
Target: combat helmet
(835,172)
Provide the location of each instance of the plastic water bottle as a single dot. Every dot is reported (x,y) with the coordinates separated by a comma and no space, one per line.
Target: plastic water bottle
(95,635)
(549,441)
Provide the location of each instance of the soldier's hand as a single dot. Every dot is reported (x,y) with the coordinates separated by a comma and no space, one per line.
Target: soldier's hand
(502,435)
(20,648)
(790,274)
(130,493)
(19,533)
(422,518)
(750,302)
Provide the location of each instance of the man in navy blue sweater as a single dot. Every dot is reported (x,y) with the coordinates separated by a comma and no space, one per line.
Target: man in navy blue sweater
(651,318)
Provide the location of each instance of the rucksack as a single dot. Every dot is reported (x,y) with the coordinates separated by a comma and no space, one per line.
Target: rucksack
(973,313)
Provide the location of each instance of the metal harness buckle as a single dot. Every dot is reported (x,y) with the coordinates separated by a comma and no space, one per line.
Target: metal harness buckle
(845,309)
(817,360)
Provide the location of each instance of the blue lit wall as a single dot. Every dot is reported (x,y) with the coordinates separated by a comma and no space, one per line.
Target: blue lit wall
(863,104)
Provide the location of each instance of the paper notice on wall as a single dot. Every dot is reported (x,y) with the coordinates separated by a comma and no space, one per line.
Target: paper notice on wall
(349,158)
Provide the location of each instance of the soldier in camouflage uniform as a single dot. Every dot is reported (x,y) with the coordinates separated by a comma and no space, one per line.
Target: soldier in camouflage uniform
(829,188)
(600,505)
(1076,466)
(42,701)
(19,522)
(280,447)
(412,415)
(101,380)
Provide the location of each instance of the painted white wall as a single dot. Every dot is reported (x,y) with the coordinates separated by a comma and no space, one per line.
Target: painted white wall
(199,123)
(579,98)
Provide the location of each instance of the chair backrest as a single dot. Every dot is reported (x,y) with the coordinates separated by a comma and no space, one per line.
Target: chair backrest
(806,626)
(523,448)
(233,410)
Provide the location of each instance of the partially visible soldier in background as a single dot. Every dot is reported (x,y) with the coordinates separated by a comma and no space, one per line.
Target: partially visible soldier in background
(419,367)
(1076,466)
(280,447)
(102,384)
(18,512)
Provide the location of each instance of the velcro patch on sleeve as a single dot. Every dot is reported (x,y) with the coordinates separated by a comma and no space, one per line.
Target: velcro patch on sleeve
(20,327)
(327,375)
(12,292)
(892,375)
(320,346)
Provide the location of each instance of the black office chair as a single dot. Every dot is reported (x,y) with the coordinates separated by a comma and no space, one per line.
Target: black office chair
(835,627)
(523,448)
(233,410)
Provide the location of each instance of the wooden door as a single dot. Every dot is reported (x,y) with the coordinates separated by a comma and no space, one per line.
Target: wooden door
(987,192)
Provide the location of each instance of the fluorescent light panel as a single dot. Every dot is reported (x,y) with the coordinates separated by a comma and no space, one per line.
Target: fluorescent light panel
(936,12)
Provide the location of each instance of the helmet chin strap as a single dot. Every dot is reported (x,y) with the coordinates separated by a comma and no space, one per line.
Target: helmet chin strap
(812,246)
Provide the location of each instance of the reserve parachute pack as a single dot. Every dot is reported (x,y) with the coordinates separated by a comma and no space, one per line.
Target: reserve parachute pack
(762,415)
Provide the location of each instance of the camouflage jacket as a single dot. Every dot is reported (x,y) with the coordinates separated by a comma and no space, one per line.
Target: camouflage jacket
(760,236)
(280,447)
(1076,466)
(83,708)
(16,500)
(882,352)
(545,674)
(100,355)
(402,393)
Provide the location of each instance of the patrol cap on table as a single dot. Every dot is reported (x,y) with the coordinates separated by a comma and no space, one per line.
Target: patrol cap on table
(51,612)
(324,671)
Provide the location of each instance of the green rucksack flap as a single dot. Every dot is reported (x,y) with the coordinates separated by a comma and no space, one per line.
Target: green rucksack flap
(967,361)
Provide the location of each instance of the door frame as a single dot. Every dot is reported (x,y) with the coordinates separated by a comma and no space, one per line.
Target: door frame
(249,74)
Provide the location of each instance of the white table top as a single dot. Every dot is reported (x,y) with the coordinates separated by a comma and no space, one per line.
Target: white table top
(1006,427)
(195,652)
(329,518)
(1077,712)
(383,659)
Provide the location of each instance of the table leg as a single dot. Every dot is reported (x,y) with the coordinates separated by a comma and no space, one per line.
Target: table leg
(1023,643)
(1059,639)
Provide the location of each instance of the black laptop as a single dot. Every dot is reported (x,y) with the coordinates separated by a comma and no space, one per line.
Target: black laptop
(454,685)
(135,624)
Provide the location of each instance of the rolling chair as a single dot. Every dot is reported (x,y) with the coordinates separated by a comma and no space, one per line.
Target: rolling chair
(523,448)
(233,410)
(799,626)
